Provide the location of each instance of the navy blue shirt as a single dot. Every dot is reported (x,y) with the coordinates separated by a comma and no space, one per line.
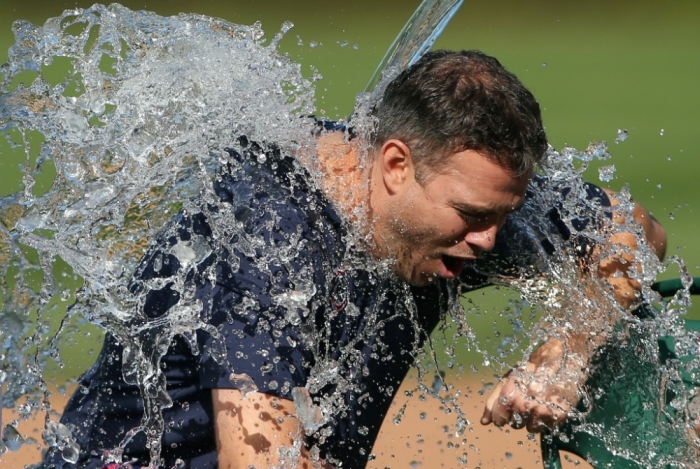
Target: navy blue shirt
(343,317)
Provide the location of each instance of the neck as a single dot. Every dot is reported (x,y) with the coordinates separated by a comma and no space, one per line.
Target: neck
(352,188)
(343,177)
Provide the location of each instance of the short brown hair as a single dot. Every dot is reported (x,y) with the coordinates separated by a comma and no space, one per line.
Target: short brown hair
(449,102)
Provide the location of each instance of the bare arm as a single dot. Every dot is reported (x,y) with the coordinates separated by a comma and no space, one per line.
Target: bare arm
(251,430)
(528,396)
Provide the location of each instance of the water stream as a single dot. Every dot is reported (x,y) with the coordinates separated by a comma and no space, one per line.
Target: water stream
(134,134)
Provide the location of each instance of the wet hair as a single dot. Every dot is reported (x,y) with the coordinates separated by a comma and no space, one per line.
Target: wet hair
(449,102)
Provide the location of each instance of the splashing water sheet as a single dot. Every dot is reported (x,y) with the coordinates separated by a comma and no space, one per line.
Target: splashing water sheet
(134,135)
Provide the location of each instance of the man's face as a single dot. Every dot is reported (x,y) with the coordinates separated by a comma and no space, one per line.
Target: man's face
(436,227)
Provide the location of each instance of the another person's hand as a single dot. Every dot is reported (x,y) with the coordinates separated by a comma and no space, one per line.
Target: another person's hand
(539,394)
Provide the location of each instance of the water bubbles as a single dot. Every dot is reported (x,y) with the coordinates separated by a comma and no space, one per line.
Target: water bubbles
(622,135)
(120,184)
(606,173)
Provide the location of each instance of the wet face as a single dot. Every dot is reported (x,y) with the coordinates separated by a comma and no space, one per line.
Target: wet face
(433,229)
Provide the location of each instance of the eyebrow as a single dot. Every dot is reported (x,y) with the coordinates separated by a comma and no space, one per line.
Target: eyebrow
(484,211)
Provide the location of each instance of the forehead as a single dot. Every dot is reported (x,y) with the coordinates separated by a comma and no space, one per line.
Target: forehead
(470,175)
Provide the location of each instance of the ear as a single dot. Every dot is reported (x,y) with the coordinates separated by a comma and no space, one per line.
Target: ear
(396,164)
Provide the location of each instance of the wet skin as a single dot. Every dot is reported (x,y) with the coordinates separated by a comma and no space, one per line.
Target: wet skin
(432,226)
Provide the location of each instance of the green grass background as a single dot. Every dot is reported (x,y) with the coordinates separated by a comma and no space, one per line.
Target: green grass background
(595,66)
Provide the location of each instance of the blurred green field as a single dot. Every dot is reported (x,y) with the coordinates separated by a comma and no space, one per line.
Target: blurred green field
(595,67)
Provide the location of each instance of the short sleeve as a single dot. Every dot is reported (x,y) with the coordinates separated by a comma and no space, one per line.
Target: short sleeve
(251,292)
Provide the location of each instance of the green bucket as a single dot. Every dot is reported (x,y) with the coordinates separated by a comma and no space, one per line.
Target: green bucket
(627,414)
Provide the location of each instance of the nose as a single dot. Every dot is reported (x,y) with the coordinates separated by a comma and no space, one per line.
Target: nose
(484,239)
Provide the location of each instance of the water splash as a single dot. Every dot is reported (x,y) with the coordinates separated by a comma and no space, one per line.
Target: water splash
(415,39)
(132,133)
(128,135)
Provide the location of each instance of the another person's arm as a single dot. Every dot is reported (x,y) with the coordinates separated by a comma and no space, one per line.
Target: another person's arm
(542,392)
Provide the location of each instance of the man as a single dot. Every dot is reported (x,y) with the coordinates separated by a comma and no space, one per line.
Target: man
(320,296)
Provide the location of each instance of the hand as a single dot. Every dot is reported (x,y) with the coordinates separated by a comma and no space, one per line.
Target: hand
(539,394)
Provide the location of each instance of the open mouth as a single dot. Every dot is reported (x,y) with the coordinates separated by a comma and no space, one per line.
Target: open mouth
(453,265)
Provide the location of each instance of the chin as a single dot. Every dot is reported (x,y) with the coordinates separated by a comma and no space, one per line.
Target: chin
(422,279)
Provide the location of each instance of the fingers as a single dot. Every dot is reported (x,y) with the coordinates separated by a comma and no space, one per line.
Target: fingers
(486,418)
(511,404)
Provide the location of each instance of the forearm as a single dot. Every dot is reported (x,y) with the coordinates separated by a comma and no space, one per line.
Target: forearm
(546,387)
(616,265)
(654,233)
(259,431)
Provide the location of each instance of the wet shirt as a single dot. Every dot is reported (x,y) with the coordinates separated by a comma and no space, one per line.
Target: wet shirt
(302,317)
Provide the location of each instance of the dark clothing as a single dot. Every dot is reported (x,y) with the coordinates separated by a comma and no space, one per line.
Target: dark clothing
(279,294)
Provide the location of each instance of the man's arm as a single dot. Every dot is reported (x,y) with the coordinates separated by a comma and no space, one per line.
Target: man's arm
(250,430)
(542,392)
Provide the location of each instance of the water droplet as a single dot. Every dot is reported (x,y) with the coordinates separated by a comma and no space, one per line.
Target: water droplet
(12,439)
(658,186)
(309,414)
(509,455)
(313,44)
(262,158)
(70,453)
(544,64)
(158,262)
(672,216)
(661,132)
(622,135)
(243,383)
(606,173)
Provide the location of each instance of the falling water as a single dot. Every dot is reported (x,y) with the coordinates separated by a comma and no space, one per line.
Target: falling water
(133,134)
(130,136)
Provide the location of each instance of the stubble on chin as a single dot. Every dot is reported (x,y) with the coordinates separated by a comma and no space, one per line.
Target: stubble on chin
(406,268)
